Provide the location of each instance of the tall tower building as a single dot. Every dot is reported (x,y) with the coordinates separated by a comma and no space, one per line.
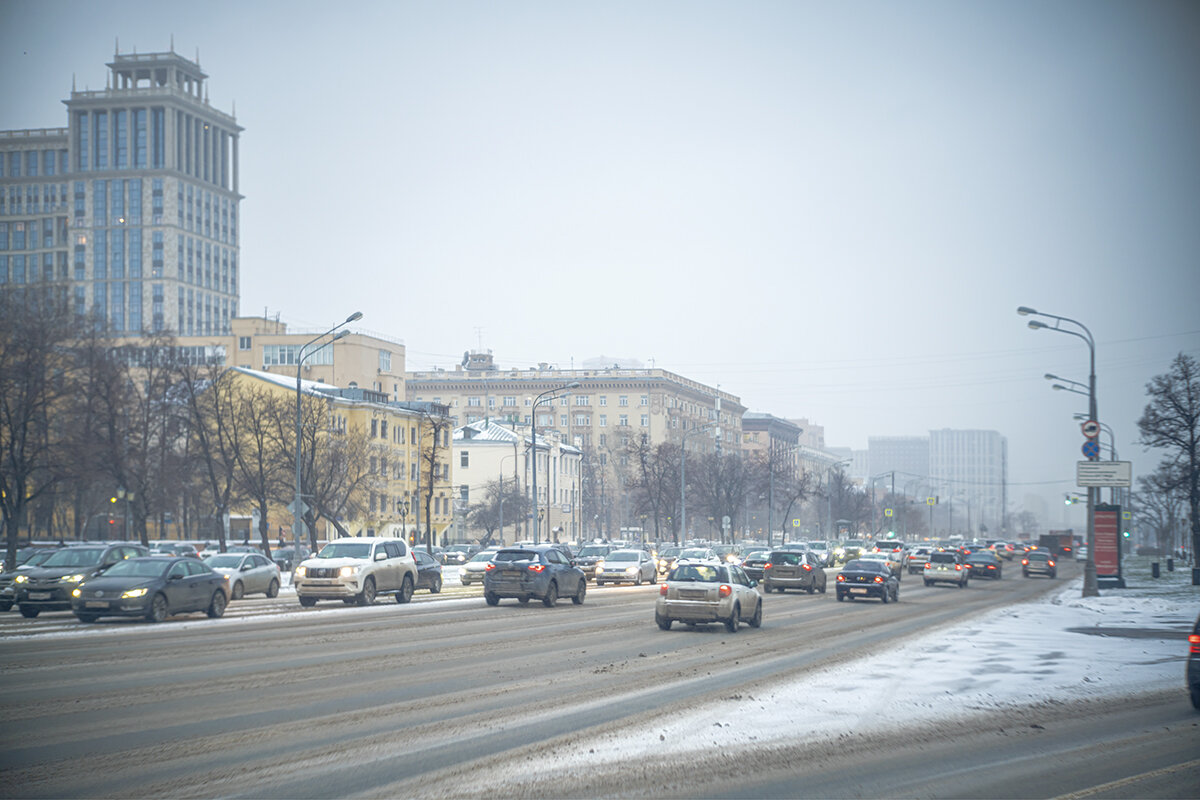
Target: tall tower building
(130,213)
(969,468)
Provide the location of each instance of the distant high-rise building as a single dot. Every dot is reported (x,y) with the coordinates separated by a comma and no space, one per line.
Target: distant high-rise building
(906,456)
(969,469)
(130,213)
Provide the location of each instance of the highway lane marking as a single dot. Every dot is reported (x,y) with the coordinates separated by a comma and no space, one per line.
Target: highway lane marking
(1104,787)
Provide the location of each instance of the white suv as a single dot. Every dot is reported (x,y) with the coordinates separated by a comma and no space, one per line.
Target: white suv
(357,570)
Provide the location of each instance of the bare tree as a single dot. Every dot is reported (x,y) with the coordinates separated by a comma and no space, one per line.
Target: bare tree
(723,485)
(1172,421)
(848,501)
(428,462)
(211,394)
(500,502)
(655,479)
(1161,500)
(35,381)
(257,425)
(340,476)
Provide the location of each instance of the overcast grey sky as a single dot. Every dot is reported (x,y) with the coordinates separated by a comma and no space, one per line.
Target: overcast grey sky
(831,209)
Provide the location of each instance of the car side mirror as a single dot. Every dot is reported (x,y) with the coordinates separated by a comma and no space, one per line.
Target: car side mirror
(175,577)
(753,583)
(247,567)
(380,556)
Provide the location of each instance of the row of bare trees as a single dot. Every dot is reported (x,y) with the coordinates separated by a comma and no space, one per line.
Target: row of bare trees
(186,439)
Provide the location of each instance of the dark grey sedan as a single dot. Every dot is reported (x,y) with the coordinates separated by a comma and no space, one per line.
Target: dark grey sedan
(152,587)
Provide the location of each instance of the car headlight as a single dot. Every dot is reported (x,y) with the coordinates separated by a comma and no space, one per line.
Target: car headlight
(347,572)
(300,572)
(21,579)
(631,570)
(76,592)
(76,578)
(132,593)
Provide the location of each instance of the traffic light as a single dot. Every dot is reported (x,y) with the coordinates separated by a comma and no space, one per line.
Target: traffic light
(1125,534)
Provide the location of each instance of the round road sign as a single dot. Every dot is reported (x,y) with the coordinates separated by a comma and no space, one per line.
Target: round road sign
(1091,449)
(1091,429)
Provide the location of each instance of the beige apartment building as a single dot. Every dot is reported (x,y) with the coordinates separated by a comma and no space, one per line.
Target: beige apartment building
(489,451)
(610,407)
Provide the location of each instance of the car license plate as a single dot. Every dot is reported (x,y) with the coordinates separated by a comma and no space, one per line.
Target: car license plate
(858,591)
(96,604)
(39,595)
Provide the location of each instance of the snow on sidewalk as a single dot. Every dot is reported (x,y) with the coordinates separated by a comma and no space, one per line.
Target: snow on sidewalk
(1023,655)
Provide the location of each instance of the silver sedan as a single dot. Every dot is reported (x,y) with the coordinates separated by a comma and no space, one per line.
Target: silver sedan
(626,566)
(248,573)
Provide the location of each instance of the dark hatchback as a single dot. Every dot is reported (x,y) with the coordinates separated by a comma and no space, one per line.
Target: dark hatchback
(1039,562)
(49,587)
(537,571)
(153,587)
(862,578)
(429,572)
(27,559)
(985,564)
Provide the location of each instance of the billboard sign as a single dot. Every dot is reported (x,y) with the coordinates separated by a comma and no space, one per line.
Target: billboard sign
(1108,545)
(1104,473)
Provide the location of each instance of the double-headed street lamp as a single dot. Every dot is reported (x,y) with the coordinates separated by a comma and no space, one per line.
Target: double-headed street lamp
(1090,587)
(297,503)
(533,445)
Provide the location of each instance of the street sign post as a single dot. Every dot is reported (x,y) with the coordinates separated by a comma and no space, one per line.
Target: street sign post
(1104,473)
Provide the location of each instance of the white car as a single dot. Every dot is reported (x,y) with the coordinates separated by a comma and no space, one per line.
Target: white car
(946,567)
(248,573)
(357,570)
(915,558)
(697,592)
(472,571)
(702,554)
(626,566)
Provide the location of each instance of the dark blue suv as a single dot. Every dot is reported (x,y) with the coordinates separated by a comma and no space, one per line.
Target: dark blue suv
(540,571)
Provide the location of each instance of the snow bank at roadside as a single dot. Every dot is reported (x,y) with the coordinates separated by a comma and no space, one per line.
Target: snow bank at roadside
(1021,656)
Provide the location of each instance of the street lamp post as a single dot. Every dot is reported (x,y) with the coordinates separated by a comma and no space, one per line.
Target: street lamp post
(297,503)
(533,446)
(402,507)
(683,479)
(1090,587)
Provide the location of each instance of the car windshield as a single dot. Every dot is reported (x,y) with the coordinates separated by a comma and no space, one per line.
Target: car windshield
(864,565)
(37,558)
(593,550)
(1037,555)
(854,543)
(757,555)
(704,573)
(785,558)
(138,568)
(515,555)
(345,550)
(486,555)
(696,552)
(622,555)
(224,561)
(942,558)
(75,557)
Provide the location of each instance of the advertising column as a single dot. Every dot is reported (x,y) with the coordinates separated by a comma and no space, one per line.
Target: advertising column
(1108,547)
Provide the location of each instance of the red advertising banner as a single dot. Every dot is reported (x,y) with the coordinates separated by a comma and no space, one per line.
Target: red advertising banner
(1108,542)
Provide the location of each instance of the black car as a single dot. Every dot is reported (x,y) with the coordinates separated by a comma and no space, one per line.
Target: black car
(984,564)
(589,555)
(27,559)
(1193,665)
(429,572)
(49,587)
(459,553)
(537,571)
(286,558)
(754,562)
(152,587)
(863,578)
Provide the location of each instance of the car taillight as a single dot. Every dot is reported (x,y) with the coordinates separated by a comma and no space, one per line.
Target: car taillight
(958,567)
(841,578)
(928,565)
(1194,641)
(991,566)
(808,567)
(725,590)
(766,566)
(879,579)
(537,567)
(490,566)
(1025,561)
(663,590)
(1051,563)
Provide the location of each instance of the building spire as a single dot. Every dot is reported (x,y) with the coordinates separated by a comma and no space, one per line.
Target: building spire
(172,43)
(116,45)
